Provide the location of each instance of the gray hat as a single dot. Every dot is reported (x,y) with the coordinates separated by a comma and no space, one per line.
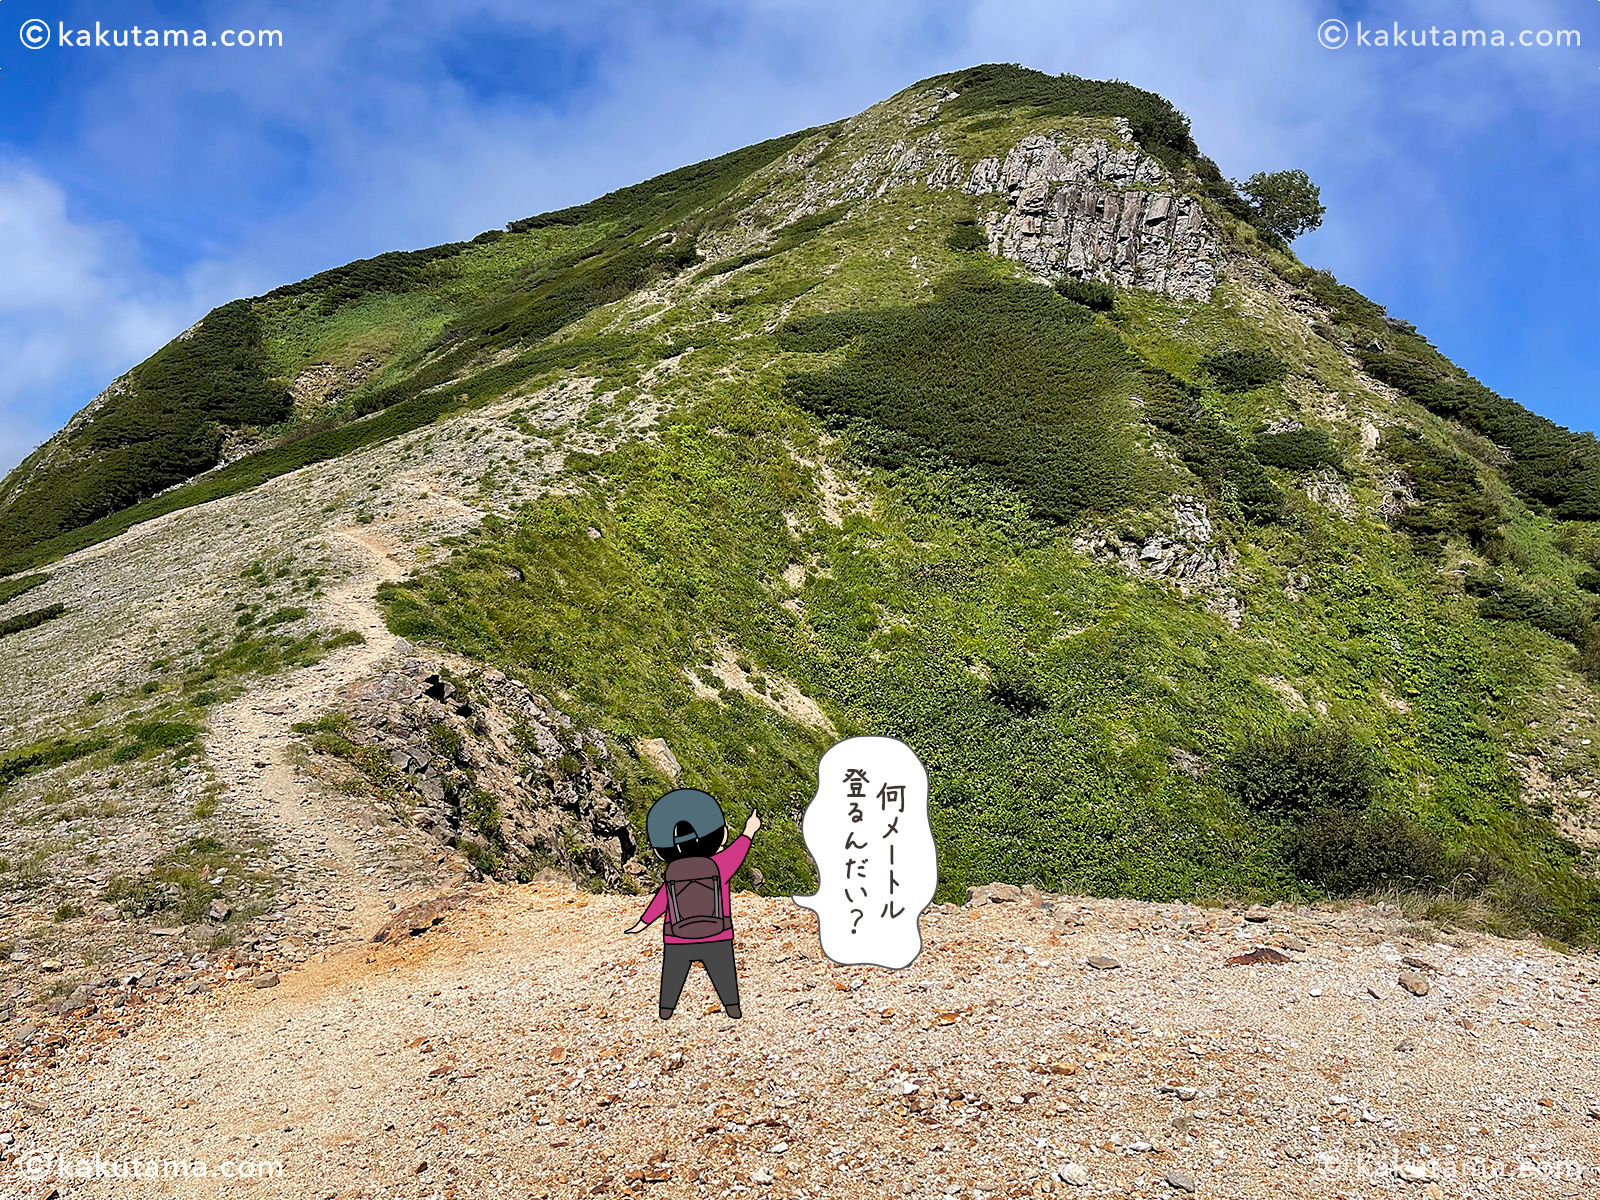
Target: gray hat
(696,808)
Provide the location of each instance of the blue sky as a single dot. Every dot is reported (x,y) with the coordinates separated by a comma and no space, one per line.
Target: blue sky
(141,187)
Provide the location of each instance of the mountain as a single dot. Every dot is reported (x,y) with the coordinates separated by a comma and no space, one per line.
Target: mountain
(985,419)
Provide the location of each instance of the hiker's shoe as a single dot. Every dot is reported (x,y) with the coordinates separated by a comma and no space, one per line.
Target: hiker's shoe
(735,1012)
(666,1014)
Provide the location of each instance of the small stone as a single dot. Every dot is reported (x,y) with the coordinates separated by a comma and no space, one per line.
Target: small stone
(994,893)
(1413,1172)
(1181,1180)
(1101,963)
(1072,1173)
(1414,982)
(1261,954)
(1289,942)
(218,911)
(265,980)
(1258,914)
(761,1175)
(658,754)
(49,966)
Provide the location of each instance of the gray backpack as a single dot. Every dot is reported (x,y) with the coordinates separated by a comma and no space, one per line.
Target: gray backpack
(694,899)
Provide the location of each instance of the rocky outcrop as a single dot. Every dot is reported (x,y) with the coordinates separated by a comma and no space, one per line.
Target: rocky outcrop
(1186,557)
(1096,210)
(494,770)
(323,384)
(1327,487)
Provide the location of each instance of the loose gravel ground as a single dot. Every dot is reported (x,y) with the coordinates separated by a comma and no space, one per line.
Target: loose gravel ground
(513,1049)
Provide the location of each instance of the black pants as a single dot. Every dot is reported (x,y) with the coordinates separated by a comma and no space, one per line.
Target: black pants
(718,960)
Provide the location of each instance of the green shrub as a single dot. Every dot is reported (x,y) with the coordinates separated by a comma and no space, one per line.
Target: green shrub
(1232,475)
(1018,691)
(10,589)
(43,756)
(150,737)
(1292,773)
(1452,498)
(967,235)
(1244,370)
(1162,130)
(1317,782)
(1090,293)
(1503,600)
(444,740)
(1547,463)
(31,620)
(481,811)
(656,201)
(395,271)
(1349,853)
(994,374)
(1296,450)
(1589,653)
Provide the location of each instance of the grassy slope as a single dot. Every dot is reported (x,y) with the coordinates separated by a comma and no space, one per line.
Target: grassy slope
(1045,692)
(910,614)
(435,318)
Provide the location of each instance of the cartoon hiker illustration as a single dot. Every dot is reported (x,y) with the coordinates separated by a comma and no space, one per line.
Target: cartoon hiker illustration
(686,827)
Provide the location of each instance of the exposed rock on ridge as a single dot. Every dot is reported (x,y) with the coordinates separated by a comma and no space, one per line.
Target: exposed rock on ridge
(1186,558)
(1091,209)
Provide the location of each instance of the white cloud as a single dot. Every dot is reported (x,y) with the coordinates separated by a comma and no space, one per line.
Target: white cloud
(76,306)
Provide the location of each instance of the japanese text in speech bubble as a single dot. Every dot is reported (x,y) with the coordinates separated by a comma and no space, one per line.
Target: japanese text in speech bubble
(867,828)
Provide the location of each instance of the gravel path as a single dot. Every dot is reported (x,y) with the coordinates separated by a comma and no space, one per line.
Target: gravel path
(513,1050)
(248,741)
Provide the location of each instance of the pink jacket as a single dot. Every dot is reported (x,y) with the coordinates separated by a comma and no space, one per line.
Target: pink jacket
(728,861)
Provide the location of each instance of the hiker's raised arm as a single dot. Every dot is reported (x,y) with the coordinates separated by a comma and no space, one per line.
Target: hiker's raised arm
(750,826)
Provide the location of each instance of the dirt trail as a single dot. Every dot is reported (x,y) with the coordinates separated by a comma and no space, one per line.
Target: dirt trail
(247,741)
(514,1051)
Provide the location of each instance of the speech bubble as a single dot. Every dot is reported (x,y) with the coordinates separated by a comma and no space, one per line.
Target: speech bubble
(867,829)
